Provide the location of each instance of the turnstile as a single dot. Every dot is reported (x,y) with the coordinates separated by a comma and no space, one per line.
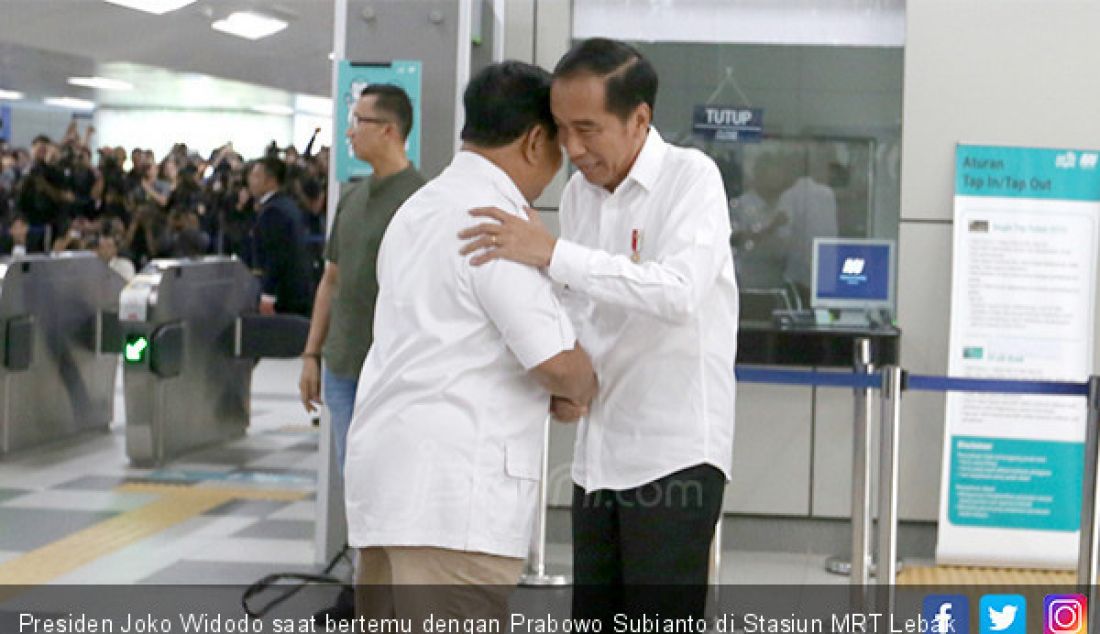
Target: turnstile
(58,315)
(190,339)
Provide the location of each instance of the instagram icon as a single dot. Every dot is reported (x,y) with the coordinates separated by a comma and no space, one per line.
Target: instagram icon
(1065,614)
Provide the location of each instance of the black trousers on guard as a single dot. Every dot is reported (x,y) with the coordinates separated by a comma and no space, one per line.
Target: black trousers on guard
(646,550)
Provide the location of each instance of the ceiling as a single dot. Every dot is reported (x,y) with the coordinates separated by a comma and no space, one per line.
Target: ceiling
(42,42)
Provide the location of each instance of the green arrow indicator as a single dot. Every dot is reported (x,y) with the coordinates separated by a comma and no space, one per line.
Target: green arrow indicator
(135,348)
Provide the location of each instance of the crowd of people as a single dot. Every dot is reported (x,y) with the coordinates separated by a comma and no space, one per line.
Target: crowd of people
(131,207)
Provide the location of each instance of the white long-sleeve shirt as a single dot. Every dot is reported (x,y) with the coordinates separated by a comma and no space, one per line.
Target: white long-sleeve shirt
(445,445)
(661,330)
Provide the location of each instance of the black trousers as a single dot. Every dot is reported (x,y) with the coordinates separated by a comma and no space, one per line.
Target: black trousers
(646,550)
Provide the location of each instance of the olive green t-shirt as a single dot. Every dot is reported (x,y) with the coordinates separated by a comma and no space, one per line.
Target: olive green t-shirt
(362,216)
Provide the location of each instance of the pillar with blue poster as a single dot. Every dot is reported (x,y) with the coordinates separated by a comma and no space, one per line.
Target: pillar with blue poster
(352,78)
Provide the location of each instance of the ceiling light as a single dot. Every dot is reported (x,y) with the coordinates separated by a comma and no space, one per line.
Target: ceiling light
(103,83)
(246,24)
(274,109)
(157,7)
(11,95)
(69,102)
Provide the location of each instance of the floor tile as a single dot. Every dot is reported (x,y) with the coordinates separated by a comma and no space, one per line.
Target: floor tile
(287,460)
(302,510)
(93,483)
(293,552)
(7,494)
(229,573)
(69,500)
(279,529)
(253,508)
(235,456)
(29,528)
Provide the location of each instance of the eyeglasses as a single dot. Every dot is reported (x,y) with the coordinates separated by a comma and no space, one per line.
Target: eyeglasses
(360,119)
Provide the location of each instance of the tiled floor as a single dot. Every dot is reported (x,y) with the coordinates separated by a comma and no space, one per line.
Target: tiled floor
(52,492)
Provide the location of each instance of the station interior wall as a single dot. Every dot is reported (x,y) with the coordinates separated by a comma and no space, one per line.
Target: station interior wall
(975,71)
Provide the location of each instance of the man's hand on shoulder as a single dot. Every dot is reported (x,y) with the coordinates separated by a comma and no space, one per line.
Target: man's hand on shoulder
(509,237)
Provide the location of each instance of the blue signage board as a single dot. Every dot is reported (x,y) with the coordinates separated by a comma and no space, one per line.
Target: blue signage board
(728,124)
(352,79)
(5,123)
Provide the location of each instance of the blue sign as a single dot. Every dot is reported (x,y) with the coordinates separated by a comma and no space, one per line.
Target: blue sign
(352,79)
(5,123)
(1011,172)
(946,614)
(989,487)
(728,124)
(1004,613)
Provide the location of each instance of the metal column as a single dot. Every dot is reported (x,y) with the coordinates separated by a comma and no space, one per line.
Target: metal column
(861,471)
(1088,559)
(889,452)
(535,575)
(859,566)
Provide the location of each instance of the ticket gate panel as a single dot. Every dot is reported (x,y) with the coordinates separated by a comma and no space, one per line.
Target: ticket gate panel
(190,390)
(56,382)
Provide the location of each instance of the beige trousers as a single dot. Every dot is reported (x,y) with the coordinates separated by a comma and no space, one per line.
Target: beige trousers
(418,583)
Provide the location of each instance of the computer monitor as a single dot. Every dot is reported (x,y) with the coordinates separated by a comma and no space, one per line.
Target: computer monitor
(853,274)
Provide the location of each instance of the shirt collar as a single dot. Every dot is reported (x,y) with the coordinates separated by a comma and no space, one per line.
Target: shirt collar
(266,197)
(468,161)
(647,167)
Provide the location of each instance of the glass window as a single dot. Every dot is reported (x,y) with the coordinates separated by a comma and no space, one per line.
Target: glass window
(825,165)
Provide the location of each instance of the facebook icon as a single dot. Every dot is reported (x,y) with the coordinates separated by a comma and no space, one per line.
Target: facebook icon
(946,613)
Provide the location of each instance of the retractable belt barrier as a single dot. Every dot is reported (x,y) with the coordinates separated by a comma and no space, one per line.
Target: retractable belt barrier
(892,382)
(913,382)
(808,377)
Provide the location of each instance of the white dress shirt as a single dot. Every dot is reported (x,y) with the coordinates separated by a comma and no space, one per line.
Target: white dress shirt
(661,327)
(812,207)
(445,444)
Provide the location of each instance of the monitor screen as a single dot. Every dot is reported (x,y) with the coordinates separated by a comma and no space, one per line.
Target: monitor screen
(853,273)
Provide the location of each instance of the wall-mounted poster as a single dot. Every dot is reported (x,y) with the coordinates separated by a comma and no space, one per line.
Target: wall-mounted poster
(352,78)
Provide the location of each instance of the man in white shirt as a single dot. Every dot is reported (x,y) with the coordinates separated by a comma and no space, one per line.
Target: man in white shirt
(445,446)
(645,263)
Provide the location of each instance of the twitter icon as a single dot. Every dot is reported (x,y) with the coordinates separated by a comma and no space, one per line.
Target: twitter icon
(1003,614)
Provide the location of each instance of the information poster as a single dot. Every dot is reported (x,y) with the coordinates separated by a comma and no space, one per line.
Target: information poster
(1022,308)
(352,79)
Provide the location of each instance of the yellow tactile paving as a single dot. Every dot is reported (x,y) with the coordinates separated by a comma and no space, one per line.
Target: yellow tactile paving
(964,575)
(177,504)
